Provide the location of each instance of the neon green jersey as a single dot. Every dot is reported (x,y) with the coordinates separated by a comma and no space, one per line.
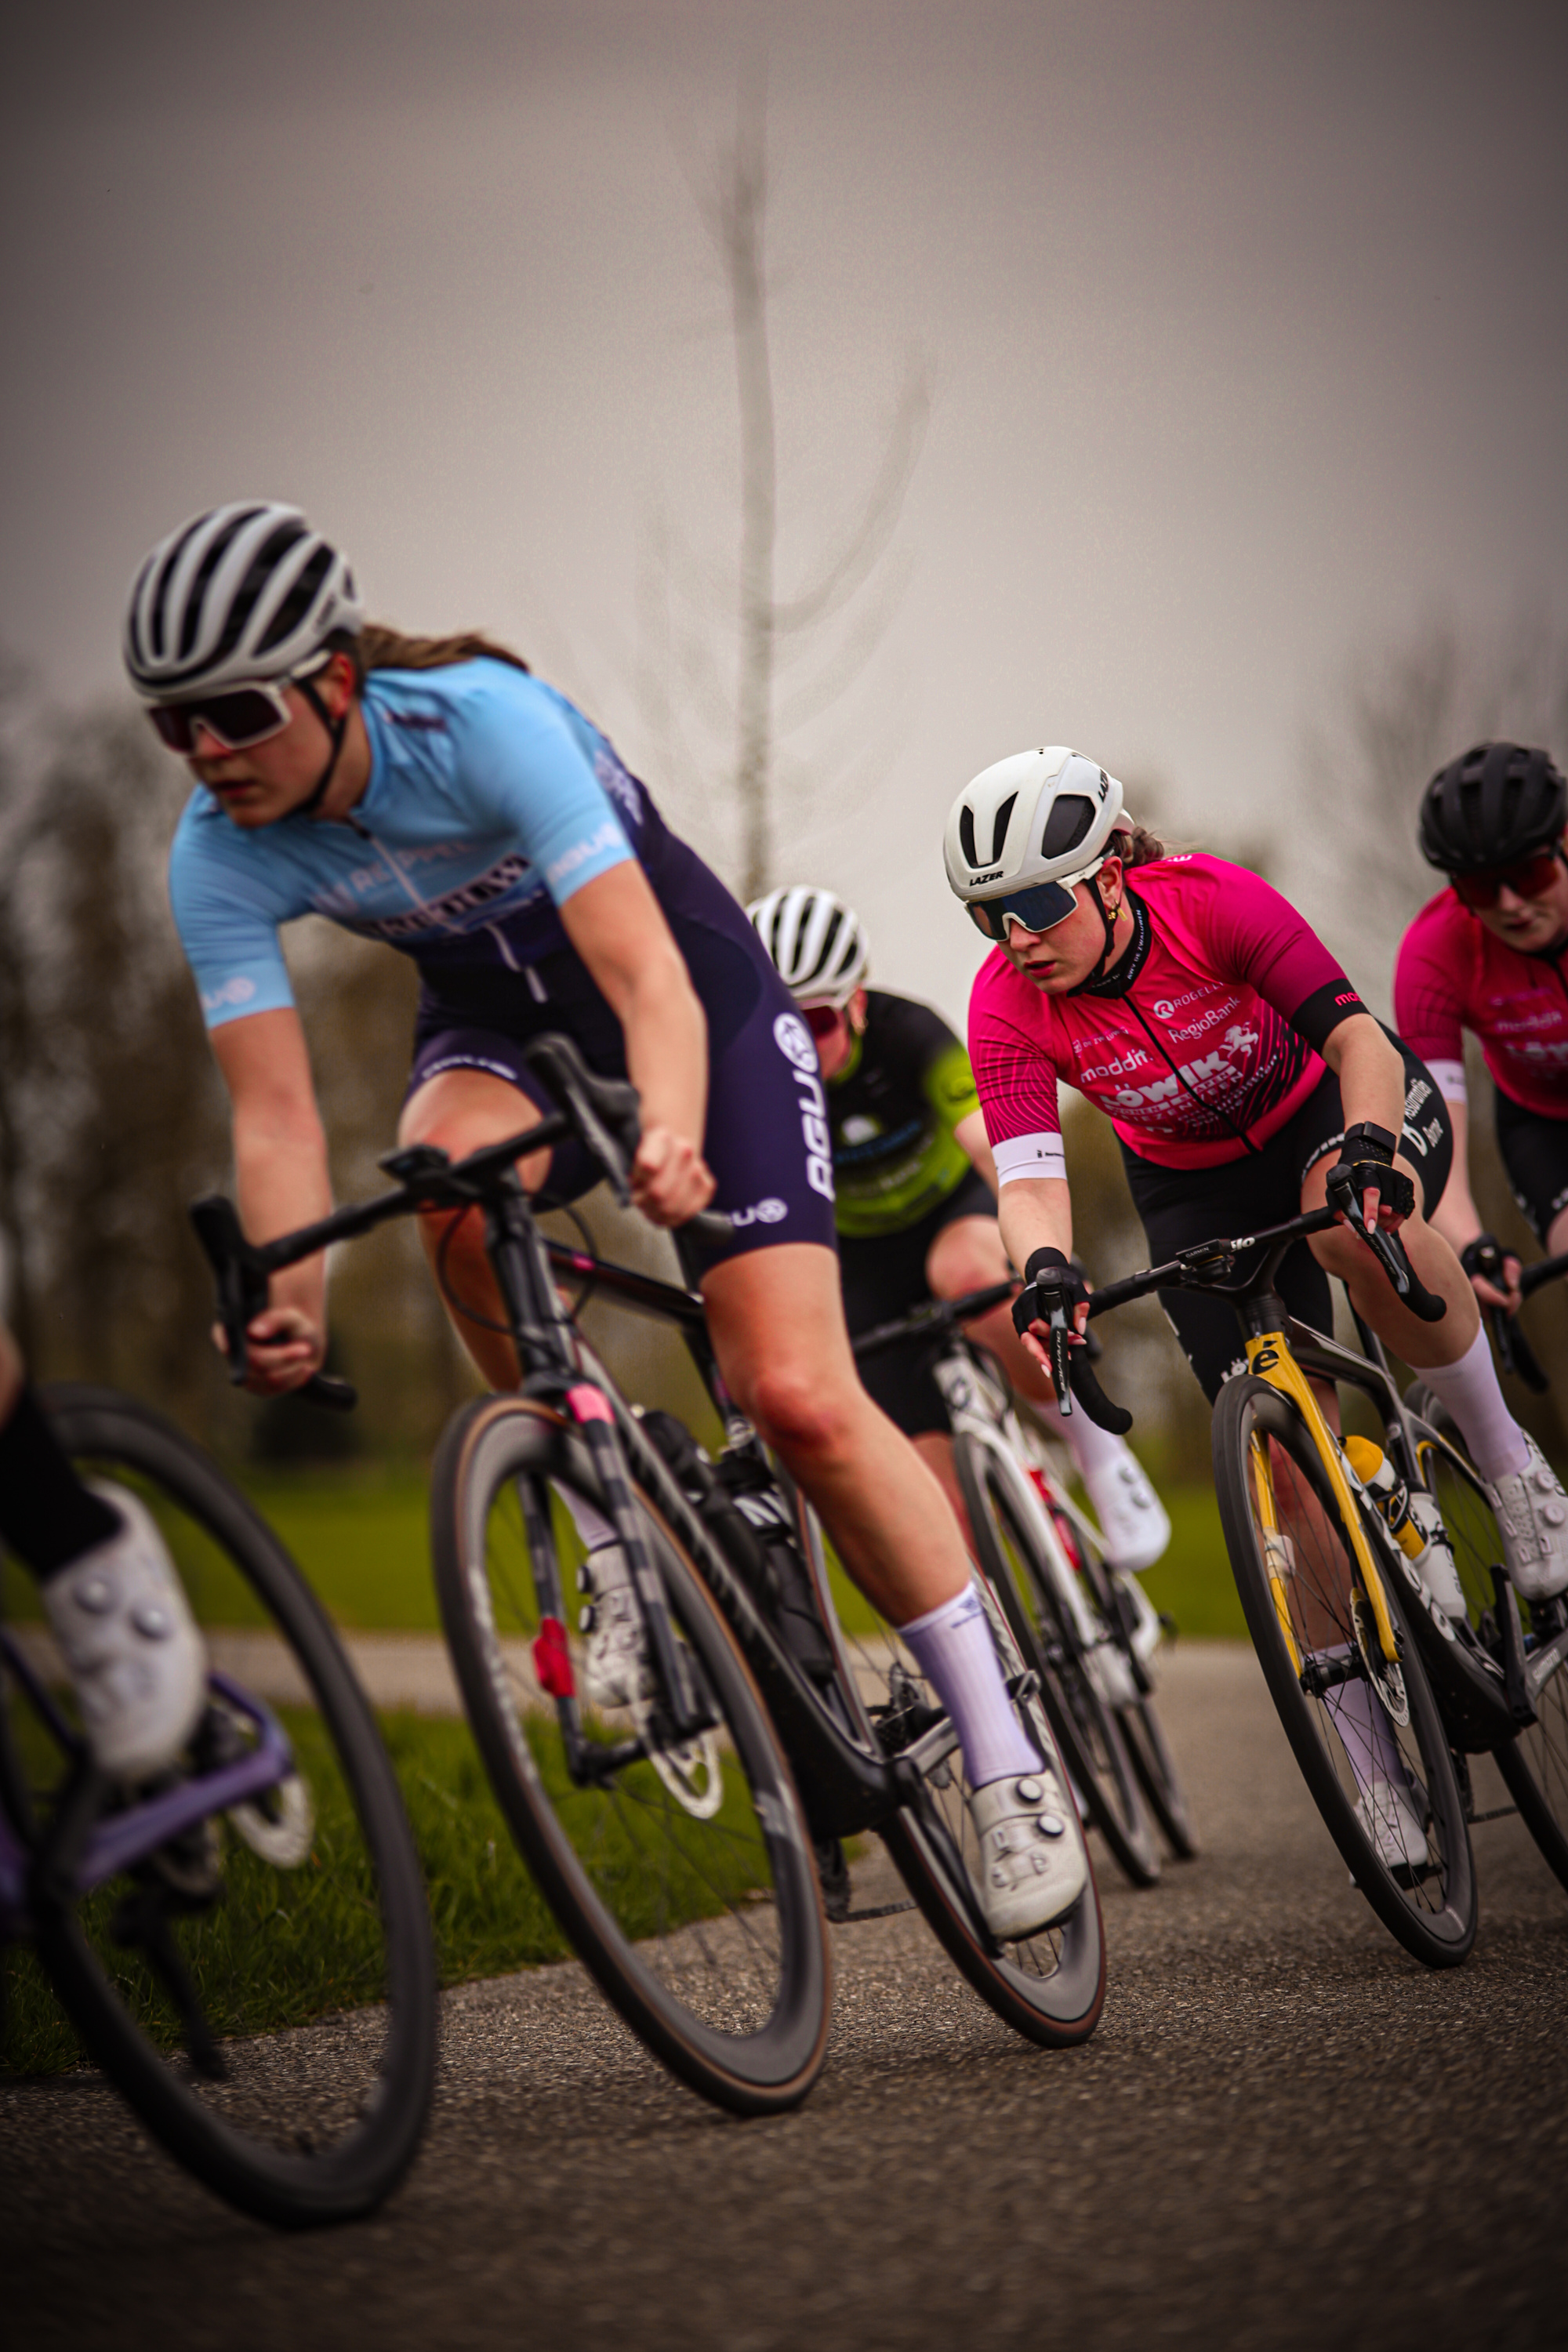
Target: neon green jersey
(892,1110)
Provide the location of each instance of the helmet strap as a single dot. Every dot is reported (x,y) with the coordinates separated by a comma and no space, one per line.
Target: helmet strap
(1100,969)
(337,728)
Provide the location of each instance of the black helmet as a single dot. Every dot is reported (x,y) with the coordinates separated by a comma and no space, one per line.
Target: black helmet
(1496,805)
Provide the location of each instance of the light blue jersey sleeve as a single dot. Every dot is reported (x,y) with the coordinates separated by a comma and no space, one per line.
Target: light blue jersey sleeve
(227,912)
(528,762)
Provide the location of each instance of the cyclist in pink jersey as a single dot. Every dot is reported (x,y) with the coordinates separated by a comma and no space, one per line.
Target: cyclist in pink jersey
(1193,1004)
(1487,955)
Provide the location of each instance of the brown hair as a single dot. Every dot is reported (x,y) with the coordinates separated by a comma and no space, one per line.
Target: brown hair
(379,647)
(1143,848)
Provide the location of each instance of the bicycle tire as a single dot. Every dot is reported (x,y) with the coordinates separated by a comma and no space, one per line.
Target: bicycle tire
(1143,1735)
(276,2139)
(1435,1923)
(1535,1764)
(738,2010)
(1143,1732)
(1081,1716)
(1049,1988)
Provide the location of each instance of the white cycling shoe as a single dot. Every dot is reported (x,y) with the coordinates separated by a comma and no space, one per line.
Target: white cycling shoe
(1033,1865)
(1533,1519)
(1131,1516)
(1387,1809)
(138,1662)
(614,1670)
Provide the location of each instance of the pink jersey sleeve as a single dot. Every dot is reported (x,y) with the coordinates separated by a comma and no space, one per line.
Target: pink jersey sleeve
(1428,1001)
(1014,1074)
(1257,936)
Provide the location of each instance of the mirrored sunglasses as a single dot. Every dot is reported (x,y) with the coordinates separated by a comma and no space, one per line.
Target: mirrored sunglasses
(1530,878)
(1038,908)
(244,716)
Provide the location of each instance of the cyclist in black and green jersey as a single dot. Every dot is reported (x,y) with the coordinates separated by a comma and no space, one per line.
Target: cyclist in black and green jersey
(917,1200)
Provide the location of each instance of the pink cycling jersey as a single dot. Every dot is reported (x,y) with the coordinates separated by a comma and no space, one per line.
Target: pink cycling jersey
(1211,1041)
(1454,975)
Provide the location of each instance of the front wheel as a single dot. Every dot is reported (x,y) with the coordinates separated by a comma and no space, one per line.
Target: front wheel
(301,1909)
(1367,1735)
(1029,1586)
(681,1871)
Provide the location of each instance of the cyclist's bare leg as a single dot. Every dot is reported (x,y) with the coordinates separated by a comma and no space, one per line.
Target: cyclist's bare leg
(776,1320)
(968,1254)
(935,1449)
(1373,1296)
(460,1110)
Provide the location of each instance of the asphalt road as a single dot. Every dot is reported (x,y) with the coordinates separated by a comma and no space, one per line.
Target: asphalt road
(1284,2133)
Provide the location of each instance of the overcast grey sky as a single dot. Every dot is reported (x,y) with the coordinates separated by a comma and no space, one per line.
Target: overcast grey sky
(1247,325)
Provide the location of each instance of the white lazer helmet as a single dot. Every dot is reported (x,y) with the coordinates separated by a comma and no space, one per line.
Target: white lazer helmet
(1024,830)
(244,593)
(817,942)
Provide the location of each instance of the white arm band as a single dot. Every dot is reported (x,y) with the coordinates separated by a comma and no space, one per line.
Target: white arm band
(1450,1078)
(1029,1155)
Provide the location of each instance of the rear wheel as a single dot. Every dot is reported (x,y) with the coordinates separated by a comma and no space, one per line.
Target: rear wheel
(1081,1711)
(683,1875)
(1534,1765)
(1367,1735)
(302,1908)
(1049,1986)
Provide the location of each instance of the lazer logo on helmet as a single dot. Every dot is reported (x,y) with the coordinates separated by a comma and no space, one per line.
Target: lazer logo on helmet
(994,875)
(793,1041)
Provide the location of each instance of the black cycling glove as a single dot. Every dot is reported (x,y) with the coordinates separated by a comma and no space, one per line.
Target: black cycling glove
(1050,1280)
(1484,1256)
(1366,1158)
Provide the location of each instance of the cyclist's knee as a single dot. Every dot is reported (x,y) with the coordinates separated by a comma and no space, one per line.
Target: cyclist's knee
(800,1412)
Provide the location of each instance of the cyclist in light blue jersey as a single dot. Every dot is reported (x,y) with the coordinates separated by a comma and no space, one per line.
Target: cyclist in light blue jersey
(432,794)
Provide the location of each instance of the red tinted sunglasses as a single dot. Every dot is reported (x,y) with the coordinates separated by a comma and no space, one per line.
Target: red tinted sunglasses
(246,716)
(1531,877)
(822,1020)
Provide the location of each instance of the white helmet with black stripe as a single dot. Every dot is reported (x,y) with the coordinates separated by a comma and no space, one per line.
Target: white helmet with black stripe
(1023,831)
(245,592)
(817,942)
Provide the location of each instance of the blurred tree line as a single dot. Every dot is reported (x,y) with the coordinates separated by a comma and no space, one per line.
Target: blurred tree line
(113,1116)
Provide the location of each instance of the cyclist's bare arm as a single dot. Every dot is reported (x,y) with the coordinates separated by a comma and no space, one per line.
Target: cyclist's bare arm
(972,1139)
(617,926)
(281,1180)
(1035,1212)
(1371,1081)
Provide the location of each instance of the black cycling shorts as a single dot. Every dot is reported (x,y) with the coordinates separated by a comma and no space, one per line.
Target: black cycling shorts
(766,1138)
(1535,1153)
(1181,1206)
(884,1277)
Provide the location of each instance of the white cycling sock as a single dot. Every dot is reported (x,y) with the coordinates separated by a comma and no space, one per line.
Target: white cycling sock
(953,1647)
(1469,1390)
(1364,1730)
(1092,1448)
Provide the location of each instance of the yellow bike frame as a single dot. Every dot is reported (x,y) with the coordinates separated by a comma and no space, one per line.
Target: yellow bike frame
(1268,1356)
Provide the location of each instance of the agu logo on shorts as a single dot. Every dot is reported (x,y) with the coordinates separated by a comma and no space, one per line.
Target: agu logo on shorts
(792,1039)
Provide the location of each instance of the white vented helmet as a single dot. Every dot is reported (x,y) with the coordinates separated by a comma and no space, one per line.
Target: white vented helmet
(1031,827)
(245,592)
(817,942)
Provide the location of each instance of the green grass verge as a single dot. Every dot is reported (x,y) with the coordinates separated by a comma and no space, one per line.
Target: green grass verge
(285,1947)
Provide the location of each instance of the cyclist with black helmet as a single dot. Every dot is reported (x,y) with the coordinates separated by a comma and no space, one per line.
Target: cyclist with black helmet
(432,794)
(916,1207)
(1237,1064)
(1487,954)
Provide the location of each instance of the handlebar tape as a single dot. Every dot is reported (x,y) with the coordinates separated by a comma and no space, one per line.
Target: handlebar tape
(1093,1397)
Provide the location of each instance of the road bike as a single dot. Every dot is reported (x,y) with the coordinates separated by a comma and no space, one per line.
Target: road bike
(1088,1632)
(1359,1657)
(268,1880)
(674,1836)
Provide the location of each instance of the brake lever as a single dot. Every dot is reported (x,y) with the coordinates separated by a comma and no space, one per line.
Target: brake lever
(242,1284)
(1515,1353)
(1061,1335)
